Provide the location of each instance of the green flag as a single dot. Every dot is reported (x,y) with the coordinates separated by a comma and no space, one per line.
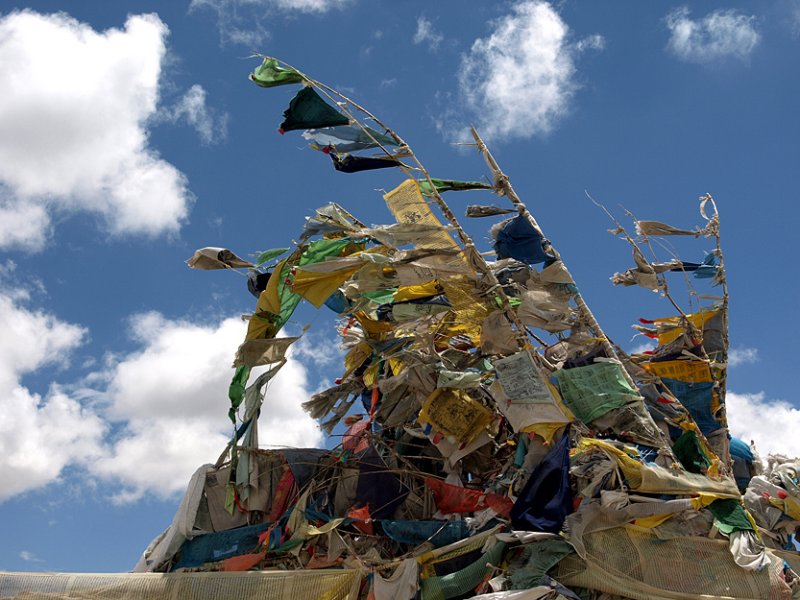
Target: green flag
(447,185)
(270,74)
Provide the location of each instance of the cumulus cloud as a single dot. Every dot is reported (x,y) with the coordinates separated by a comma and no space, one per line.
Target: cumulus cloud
(427,34)
(28,556)
(73,113)
(719,35)
(192,108)
(518,81)
(772,424)
(794,17)
(171,399)
(39,436)
(592,42)
(241,22)
(742,356)
(147,419)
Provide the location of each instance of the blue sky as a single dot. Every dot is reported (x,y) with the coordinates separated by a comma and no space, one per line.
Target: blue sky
(131,136)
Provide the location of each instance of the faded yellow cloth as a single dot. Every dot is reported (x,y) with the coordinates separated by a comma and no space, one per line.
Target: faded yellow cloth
(455,413)
(451,325)
(657,480)
(318,287)
(670,328)
(319,584)
(254,353)
(409,206)
(788,505)
(261,325)
(373,328)
(650,522)
(690,371)
(413,292)
(356,357)
(546,431)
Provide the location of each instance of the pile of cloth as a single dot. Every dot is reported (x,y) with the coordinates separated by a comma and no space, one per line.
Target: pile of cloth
(491,444)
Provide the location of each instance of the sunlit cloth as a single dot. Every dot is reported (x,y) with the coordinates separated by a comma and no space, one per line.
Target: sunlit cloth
(270,74)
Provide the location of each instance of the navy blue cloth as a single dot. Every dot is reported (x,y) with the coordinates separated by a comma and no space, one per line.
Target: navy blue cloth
(378,486)
(211,547)
(696,397)
(354,164)
(438,533)
(257,281)
(304,463)
(516,238)
(546,499)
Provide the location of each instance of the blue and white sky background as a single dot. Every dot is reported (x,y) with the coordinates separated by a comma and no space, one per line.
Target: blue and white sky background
(130,136)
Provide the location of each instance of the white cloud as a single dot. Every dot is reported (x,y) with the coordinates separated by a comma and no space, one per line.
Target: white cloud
(145,421)
(28,556)
(193,109)
(592,42)
(794,17)
(719,35)
(22,224)
(39,436)
(742,356)
(642,347)
(172,399)
(519,81)
(73,113)
(240,22)
(426,33)
(772,424)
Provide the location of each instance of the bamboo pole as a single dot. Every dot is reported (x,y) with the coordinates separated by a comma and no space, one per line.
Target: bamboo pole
(585,314)
(503,182)
(474,256)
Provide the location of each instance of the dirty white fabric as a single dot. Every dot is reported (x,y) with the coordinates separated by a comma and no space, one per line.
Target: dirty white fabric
(167,543)
(747,551)
(401,585)
(209,259)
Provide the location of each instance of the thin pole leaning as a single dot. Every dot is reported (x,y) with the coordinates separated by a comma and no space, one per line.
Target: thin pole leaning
(503,182)
(475,257)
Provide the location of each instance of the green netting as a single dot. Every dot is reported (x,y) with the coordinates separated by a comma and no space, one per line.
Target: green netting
(536,560)
(463,581)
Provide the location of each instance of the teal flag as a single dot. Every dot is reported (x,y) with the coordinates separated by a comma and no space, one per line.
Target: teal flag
(308,110)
